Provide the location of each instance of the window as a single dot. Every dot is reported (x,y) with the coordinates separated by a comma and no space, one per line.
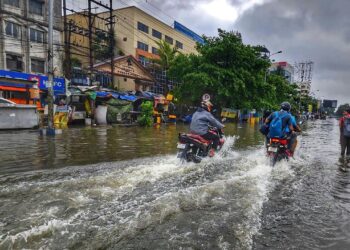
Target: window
(12,29)
(143,46)
(155,51)
(169,40)
(142,27)
(36,7)
(38,66)
(14,62)
(156,33)
(179,45)
(12,2)
(143,60)
(36,36)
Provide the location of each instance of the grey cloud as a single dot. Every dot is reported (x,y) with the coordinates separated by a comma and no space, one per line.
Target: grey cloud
(314,29)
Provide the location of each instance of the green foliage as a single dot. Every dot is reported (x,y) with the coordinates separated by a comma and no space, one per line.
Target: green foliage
(146,117)
(305,101)
(342,108)
(102,46)
(166,54)
(232,73)
(75,62)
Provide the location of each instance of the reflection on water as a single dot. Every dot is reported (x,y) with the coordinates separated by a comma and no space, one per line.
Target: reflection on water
(27,150)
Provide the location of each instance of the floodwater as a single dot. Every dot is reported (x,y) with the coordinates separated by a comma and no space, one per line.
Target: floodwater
(123,188)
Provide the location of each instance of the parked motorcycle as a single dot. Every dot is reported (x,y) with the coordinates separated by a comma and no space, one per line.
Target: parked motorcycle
(277,150)
(192,147)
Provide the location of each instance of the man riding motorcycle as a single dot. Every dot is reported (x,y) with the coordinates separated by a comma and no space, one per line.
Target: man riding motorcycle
(201,120)
(281,125)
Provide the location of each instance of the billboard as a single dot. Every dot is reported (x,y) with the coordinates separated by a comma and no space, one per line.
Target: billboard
(186,31)
(59,86)
(330,103)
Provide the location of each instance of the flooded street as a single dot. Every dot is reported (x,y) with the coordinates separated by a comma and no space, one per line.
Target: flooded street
(124,188)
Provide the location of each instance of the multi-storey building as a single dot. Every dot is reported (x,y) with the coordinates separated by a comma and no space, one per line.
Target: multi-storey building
(286,69)
(136,33)
(23,35)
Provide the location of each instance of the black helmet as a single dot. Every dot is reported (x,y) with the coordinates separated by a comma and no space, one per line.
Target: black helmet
(286,106)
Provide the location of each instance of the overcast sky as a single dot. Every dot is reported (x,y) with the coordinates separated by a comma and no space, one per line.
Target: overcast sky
(317,30)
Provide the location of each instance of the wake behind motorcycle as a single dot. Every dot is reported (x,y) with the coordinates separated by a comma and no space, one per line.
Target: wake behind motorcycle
(192,147)
(277,150)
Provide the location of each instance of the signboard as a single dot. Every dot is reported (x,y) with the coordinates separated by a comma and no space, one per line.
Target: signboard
(309,109)
(330,103)
(186,31)
(59,86)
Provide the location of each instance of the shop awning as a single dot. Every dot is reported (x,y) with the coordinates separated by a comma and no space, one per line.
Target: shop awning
(5,88)
(13,82)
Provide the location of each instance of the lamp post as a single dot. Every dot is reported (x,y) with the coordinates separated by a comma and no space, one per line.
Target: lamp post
(268,57)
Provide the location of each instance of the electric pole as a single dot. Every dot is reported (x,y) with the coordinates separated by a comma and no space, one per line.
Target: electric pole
(51,130)
(67,61)
(111,41)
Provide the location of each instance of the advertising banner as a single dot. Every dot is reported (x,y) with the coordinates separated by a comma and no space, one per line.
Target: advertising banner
(59,86)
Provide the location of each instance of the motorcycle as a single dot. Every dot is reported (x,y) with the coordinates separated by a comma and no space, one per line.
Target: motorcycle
(277,150)
(192,147)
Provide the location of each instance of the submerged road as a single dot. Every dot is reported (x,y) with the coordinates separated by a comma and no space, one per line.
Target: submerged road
(123,188)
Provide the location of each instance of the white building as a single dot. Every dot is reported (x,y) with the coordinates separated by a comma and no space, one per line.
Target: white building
(285,68)
(23,35)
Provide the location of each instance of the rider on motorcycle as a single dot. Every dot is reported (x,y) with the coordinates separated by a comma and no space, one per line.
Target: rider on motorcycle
(286,130)
(201,120)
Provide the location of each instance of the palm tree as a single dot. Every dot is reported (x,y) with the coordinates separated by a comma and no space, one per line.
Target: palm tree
(167,55)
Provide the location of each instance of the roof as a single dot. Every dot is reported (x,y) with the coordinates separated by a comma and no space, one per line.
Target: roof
(127,74)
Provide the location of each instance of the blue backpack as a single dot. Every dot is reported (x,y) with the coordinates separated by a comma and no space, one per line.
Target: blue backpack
(276,125)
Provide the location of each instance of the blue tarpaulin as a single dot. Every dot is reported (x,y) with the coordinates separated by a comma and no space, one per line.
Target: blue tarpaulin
(121,96)
(127,97)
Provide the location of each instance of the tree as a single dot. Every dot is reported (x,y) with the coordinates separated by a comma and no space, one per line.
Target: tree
(167,56)
(231,72)
(342,108)
(102,45)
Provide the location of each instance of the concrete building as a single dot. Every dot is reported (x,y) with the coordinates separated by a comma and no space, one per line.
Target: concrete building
(286,69)
(304,88)
(23,35)
(136,33)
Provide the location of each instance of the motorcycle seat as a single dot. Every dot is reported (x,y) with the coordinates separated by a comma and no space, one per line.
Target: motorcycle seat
(199,138)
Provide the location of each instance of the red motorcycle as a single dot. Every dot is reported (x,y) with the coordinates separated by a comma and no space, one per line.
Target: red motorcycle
(192,147)
(277,150)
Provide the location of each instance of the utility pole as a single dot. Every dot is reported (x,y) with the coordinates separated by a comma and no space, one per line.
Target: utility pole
(67,61)
(51,129)
(111,41)
(111,32)
(91,62)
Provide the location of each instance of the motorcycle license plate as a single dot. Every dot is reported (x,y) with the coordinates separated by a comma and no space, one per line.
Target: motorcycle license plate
(181,146)
(272,149)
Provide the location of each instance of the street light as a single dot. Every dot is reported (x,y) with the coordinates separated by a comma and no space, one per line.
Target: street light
(278,52)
